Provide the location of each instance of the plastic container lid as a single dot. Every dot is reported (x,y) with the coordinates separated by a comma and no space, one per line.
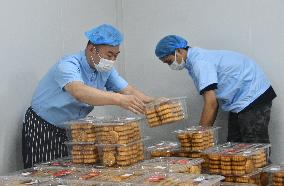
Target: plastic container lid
(170,164)
(175,161)
(164,146)
(163,100)
(274,168)
(197,129)
(159,178)
(105,121)
(70,143)
(243,149)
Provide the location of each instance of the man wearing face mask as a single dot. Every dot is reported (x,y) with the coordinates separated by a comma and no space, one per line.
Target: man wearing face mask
(71,89)
(233,79)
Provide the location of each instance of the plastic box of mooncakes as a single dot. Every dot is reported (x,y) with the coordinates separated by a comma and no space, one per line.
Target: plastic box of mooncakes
(112,176)
(60,162)
(163,149)
(166,110)
(197,138)
(159,178)
(251,178)
(47,173)
(274,174)
(108,155)
(236,159)
(171,165)
(19,181)
(105,130)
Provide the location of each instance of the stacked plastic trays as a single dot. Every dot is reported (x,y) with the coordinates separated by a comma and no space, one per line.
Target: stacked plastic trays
(166,110)
(80,176)
(106,141)
(39,176)
(238,162)
(169,179)
(274,175)
(197,138)
(171,165)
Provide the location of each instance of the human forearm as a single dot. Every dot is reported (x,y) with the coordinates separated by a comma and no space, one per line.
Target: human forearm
(208,115)
(91,96)
(210,109)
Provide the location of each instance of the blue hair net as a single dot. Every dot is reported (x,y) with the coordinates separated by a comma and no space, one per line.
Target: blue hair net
(104,35)
(169,44)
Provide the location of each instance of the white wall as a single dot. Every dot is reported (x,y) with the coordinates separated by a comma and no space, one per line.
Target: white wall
(34,35)
(253,27)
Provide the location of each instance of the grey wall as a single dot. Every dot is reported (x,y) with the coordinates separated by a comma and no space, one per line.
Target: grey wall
(253,27)
(34,35)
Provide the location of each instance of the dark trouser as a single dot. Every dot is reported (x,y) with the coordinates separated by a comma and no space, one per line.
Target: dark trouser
(41,141)
(250,126)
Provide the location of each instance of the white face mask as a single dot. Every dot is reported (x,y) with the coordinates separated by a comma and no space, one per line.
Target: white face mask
(104,65)
(175,65)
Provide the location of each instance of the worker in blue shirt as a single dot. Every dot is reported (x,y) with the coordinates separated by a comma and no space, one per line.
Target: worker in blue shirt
(228,78)
(71,89)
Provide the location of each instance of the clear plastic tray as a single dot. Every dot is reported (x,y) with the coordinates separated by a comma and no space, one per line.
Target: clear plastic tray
(8,181)
(236,184)
(166,110)
(61,162)
(171,164)
(163,149)
(47,173)
(109,155)
(236,159)
(252,178)
(105,130)
(159,178)
(274,174)
(197,138)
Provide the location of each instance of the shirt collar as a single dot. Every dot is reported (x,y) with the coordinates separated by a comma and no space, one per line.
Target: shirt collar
(85,64)
(189,57)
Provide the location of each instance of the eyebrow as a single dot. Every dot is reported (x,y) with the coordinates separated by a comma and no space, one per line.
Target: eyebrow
(113,52)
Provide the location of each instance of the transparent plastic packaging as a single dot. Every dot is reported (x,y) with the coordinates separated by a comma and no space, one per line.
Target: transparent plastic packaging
(236,159)
(20,181)
(61,162)
(252,178)
(159,178)
(274,174)
(163,149)
(171,165)
(108,155)
(105,130)
(46,173)
(197,138)
(166,110)
(236,184)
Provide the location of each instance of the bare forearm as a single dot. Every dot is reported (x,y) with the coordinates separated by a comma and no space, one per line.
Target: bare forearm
(210,109)
(91,95)
(208,115)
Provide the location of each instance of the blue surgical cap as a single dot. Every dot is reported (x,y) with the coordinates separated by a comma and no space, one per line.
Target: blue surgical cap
(169,44)
(104,35)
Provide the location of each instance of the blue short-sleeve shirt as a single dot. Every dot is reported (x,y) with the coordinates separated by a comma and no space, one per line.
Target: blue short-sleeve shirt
(55,105)
(239,79)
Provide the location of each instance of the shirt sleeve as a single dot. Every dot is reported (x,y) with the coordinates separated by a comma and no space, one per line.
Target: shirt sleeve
(67,71)
(205,74)
(208,88)
(115,82)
